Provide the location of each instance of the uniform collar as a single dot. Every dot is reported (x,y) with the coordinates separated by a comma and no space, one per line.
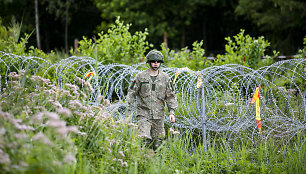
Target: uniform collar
(158,77)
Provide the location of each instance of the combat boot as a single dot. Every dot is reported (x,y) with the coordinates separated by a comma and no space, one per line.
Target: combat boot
(148,143)
(156,143)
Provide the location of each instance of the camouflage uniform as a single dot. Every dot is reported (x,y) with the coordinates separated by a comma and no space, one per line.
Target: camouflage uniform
(151,98)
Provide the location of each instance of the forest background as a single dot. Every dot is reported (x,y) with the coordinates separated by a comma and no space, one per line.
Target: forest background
(178,23)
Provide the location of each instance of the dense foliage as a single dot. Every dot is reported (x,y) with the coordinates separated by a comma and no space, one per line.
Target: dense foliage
(276,18)
(118,45)
(247,51)
(282,22)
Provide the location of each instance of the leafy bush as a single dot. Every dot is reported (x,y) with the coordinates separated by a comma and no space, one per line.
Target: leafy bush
(10,40)
(40,130)
(302,52)
(194,60)
(34,136)
(118,45)
(245,50)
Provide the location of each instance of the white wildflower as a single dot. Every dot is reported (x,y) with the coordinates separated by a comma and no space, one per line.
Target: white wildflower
(34,78)
(73,129)
(46,81)
(52,115)
(56,104)
(4,158)
(229,104)
(16,87)
(2,131)
(62,130)
(121,153)
(291,90)
(282,88)
(38,107)
(76,93)
(69,158)
(56,123)
(83,94)
(64,111)
(57,163)
(13,75)
(38,117)
(20,136)
(171,130)
(75,103)
(176,132)
(13,82)
(72,87)
(48,91)
(124,164)
(132,125)
(83,133)
(85,108)
(80,81)
(106,102)
(22,126)
(23,164)
(100,97)
(42,138)
(66,92)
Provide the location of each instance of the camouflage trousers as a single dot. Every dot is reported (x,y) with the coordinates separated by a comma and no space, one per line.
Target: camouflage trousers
(152,130)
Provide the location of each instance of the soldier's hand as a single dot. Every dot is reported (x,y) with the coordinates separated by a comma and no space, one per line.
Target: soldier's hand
(172,118)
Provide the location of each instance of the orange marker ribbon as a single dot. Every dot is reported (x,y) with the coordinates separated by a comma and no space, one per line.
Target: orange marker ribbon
(255,99)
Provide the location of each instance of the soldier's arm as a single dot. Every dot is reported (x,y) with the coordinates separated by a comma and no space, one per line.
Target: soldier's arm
(133,91)
(171,98)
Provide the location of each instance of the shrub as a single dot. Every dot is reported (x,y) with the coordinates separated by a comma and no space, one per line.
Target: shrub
(194,59)
(34,135)
(10,40)
(245,50)
(118,45)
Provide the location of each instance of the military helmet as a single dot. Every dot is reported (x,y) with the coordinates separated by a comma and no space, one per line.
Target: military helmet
(155,55)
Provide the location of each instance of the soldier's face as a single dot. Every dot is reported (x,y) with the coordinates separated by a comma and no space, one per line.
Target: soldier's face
(155,64)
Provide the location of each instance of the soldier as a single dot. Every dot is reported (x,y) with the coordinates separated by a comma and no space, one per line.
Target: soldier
(153,89)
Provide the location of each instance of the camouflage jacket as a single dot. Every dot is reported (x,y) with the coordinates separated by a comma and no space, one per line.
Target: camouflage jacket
(152,96)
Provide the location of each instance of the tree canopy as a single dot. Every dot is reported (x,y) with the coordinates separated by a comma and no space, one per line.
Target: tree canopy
(182,22)
(282,20)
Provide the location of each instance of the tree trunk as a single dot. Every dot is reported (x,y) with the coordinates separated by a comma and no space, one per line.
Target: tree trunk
(67,4)
(165,39)
(204,35)
(66,29)
(37,25)
(76,46)
(66,36)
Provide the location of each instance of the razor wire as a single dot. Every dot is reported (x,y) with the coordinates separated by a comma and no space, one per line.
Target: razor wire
(15,63)
(227,92)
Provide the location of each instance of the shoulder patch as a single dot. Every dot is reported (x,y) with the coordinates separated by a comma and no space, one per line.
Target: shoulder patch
(133,84)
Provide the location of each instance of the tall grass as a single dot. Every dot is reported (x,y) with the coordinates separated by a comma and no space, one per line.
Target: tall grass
(44,129)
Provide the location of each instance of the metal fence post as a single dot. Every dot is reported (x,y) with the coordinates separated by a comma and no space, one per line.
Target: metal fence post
(203,121)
